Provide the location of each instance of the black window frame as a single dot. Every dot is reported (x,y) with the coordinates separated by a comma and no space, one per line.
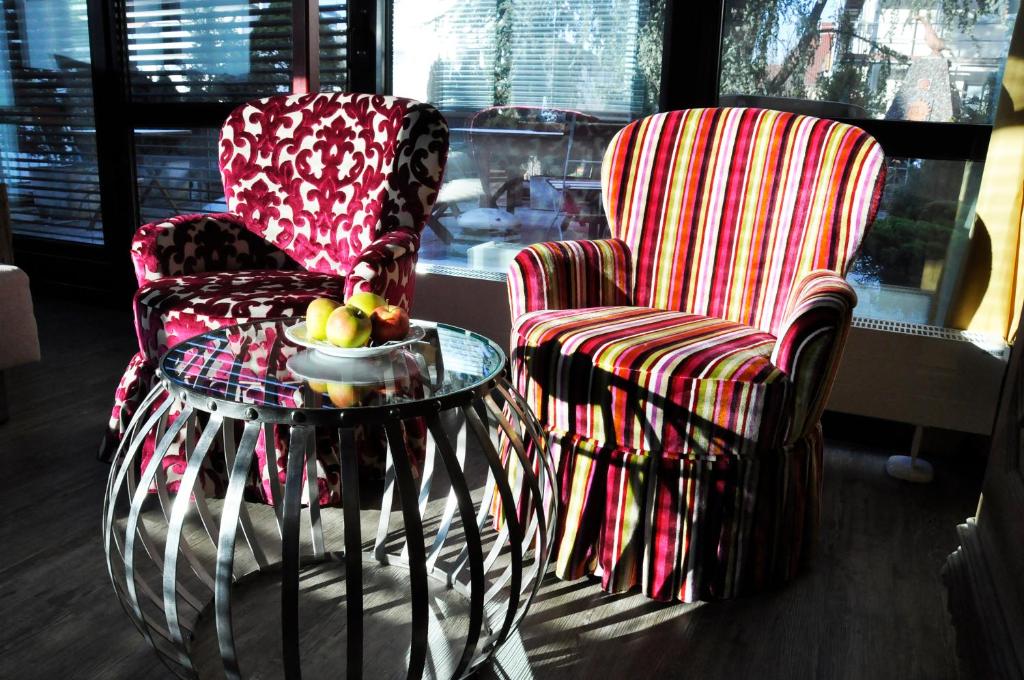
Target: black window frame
(690,79)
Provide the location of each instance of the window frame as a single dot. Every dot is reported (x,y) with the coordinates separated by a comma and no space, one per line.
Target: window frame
(690,78)
(107,268)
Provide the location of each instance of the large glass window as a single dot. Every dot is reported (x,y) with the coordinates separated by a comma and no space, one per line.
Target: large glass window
(197,50)
(533,90)
(211,51)
(906,61)
(47,128)
(916,60)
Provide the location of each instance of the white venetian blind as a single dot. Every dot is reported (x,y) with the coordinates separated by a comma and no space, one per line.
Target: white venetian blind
(576,54)
(47,129)
(444,52)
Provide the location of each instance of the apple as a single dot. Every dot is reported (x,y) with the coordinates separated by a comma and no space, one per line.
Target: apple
(344,395)
(348,327)
(390,322)
(316,317)
(366,302)
(317,386)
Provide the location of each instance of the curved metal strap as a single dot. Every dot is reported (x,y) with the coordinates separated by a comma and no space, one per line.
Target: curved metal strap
(353,552)
(460,492)
(417,551)
(297,448)
(133,526)
(226,548)
(177,522)
(509,510)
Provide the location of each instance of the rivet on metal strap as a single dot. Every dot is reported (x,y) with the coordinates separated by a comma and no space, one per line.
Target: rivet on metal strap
(213,406)
(251,414)
(298,417)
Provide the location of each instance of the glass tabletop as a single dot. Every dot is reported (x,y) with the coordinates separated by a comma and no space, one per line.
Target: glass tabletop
(255,364)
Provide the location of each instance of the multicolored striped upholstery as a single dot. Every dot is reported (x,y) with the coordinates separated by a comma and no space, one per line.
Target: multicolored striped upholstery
(682,366)
(725,210)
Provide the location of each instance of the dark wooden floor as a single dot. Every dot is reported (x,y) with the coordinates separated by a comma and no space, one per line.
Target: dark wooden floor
(871,606)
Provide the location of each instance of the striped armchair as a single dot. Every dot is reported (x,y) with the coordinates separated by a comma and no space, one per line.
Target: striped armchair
(681,367)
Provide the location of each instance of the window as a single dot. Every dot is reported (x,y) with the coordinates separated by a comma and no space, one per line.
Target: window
(197,50)
(533,90)
(203,51)
(47,129)
(911,62)
(938,61)
(910,263)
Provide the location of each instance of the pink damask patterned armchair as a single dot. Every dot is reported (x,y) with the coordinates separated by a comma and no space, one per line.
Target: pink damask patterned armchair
(681,367)
(327,195)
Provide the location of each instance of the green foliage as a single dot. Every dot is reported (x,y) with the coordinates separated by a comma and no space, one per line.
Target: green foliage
(896,249)
(649,51)
(503,53)
(758,60)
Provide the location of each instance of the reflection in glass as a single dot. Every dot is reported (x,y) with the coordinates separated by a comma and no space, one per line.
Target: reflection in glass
(533,90)
(910,263)
(256,364)
(177,173)
(921,60)
(47,130)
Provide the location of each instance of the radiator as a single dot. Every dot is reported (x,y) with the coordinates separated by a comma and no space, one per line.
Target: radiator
(922,375)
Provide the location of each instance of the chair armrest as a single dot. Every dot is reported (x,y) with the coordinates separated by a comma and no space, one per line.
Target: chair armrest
(387,267)
(811,341)
(570,275)
(194,244)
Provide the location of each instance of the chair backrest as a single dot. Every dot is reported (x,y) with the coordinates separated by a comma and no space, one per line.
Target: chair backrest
(726,209)
(322,175)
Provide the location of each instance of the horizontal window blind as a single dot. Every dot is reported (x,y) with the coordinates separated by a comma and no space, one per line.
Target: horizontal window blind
(570,54)
(208,50)
(444,52)
(47,130)
(221,51)
(177,173)
(334,45)
(576,54)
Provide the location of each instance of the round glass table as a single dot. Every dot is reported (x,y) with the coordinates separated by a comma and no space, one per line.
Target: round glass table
(425,574)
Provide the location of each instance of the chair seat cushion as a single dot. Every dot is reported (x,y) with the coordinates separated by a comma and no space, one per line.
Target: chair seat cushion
(170,310)
(650,379)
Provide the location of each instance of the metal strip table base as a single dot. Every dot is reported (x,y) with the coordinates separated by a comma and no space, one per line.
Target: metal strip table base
(427,579)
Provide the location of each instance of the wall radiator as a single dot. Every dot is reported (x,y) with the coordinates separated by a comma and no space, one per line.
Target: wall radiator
(923,375)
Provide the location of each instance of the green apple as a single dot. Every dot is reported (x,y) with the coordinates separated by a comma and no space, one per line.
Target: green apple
(316,317)
(344,395)
(366,302)
(317,386)
(348,327)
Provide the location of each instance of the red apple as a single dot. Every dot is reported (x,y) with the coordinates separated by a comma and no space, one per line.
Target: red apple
(390,322)
(348,327)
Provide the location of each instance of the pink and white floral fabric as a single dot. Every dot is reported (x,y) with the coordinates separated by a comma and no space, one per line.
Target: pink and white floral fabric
(323,176)
(327,195)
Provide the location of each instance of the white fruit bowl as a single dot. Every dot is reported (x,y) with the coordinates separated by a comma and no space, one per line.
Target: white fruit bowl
(297,334)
